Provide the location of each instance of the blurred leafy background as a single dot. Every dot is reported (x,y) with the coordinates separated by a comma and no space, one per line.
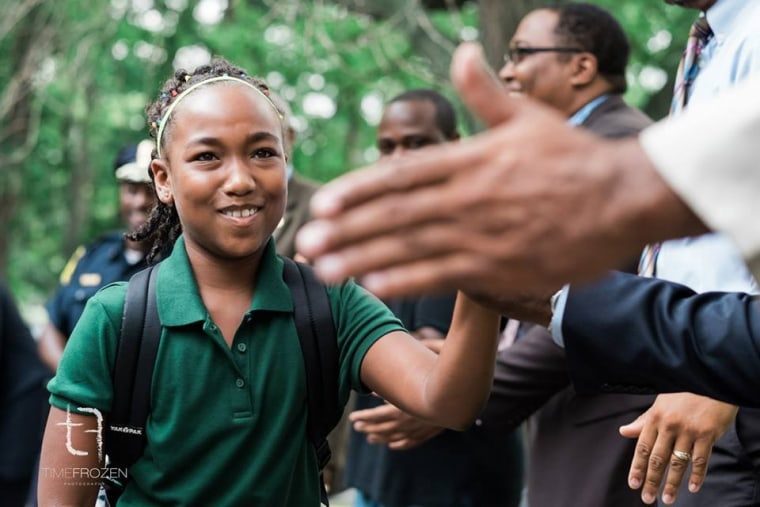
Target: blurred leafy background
(75,77)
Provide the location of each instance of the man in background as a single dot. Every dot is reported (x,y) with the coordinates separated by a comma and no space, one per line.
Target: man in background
(111,258)
(444,468)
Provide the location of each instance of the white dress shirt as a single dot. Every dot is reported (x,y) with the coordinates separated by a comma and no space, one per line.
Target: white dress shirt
(713,261)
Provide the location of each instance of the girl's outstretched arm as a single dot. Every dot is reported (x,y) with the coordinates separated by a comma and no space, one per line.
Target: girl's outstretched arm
(449,389)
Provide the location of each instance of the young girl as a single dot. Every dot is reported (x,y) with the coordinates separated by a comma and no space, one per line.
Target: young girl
(228,403)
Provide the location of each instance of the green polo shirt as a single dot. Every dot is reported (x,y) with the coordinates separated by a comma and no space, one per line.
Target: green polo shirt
(228,424)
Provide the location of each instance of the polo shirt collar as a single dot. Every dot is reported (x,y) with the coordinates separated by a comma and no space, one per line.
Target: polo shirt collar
(272,293)
(179,301)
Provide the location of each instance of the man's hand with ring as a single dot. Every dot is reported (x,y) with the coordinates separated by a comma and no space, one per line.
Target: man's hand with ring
(677,428)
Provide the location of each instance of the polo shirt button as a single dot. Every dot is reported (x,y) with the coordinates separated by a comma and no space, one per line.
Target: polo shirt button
(212,327)
(241,347)
(248,317)
(240,383)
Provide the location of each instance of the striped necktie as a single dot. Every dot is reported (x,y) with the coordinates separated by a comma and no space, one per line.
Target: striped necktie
(699,34)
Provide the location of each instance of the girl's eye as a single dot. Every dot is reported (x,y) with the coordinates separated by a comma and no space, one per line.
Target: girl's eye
(205,156)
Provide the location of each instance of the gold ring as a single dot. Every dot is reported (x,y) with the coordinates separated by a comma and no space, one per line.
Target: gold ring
(682,455)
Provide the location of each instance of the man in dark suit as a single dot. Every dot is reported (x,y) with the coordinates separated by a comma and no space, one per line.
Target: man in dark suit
(572,57)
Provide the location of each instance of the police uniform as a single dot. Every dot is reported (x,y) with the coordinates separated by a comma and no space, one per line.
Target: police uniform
(88,270)
(104,261)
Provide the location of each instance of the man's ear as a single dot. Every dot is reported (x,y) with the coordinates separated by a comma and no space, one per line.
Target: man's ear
(162,180)
(585,69)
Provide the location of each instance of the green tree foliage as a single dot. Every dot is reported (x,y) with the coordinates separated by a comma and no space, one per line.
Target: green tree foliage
(76,76)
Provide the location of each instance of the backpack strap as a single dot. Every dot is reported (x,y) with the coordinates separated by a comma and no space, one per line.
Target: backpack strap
(319,344)
(133,373)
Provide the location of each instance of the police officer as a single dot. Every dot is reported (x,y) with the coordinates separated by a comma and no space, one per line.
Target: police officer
(109,259)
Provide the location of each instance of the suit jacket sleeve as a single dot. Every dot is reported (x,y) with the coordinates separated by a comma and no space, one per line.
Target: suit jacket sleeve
(715,170)
(527,374)
(662,337)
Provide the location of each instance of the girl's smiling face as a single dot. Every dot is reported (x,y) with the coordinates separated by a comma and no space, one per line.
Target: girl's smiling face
(224,169)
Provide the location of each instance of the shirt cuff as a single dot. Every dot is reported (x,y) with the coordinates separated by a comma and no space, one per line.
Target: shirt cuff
(558,312)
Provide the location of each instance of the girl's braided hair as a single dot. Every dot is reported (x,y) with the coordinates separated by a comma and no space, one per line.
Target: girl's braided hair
(163,227)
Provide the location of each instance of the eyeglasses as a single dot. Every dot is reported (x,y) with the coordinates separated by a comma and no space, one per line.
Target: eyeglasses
(516,54)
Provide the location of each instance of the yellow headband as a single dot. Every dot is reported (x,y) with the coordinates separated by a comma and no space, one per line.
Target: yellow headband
(162,123)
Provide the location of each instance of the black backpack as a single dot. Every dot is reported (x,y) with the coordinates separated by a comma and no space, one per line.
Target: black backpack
(136,357)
